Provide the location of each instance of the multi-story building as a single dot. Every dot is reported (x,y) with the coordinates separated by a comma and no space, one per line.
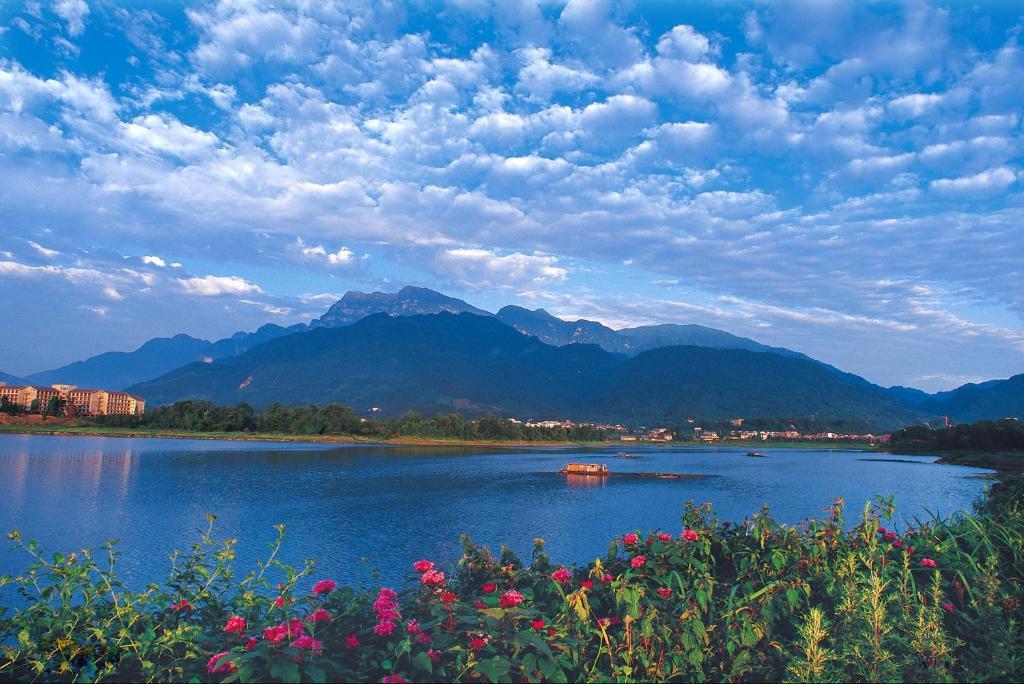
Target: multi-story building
(81,402)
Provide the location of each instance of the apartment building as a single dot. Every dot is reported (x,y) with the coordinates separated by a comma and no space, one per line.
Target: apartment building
(80,402)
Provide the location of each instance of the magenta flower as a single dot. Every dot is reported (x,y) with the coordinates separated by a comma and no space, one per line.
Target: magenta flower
(637,562)
(384,628)
(433,578)
(422,566)
(412,627)
(225,667)
(319,615)
(689,535)
(490,588)
(630,538)
(562,575)
(664,537)
(510,599)
(235,625)
(351,641)
(948,607)
(929,563)
(310,644)
(324,587)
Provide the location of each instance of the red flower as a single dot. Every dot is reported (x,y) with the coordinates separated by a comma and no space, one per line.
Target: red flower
(422,566)
(664,537)
(948,607)
(476,643)
(664,592)
(537,624)
(235,625)
(386,593)
(890,535)
(630,538)
(552,631)
(881,530)
(510,599)
(587,584)
(412,627)
(637,562)
(250,644)
(393,679)
(490,588)
(319,615)
(423,638)
(435,656)
(324,587)
(448,597)
(351,641)
(384,628)
(607,578)
(310,644)
(279,602)
(898,544)
(225,667)
(480,605)
(929,563)
(181,606)
(387,614)
(562,575)
(689,535)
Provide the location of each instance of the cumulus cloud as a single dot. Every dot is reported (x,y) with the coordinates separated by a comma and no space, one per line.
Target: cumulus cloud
(489,269)
(986,182)
(73,12)
(212,286)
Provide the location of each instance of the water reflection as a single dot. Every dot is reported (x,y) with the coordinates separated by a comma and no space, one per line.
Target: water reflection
(589,481)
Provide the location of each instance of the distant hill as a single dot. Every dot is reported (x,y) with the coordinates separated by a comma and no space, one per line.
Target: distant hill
(965,404)
(409,301)
(118,370)
(476,364)
(10,379)
(555,331)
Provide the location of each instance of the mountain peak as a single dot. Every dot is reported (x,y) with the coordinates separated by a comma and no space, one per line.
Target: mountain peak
(408,301)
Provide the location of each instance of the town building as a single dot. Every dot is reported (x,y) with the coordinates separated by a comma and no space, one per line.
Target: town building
(77,401)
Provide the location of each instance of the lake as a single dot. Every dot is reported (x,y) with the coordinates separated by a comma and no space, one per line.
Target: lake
(394,505)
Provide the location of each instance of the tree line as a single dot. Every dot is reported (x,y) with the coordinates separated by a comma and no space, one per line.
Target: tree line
(335,419)
(982,436)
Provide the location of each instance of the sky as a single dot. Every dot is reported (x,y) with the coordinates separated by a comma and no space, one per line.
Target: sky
(840,178)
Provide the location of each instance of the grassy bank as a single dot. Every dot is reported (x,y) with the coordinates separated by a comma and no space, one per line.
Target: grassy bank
(754,601)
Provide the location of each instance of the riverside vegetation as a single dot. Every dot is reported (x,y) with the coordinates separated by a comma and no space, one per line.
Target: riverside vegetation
(819,601)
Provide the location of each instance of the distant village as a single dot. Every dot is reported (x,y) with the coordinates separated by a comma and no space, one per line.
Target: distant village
(697,433)
(68,401)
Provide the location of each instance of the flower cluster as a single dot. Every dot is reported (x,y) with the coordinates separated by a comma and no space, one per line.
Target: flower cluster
(562,575)
(386,608)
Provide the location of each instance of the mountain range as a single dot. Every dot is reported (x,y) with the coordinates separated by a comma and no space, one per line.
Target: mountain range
(477,364)
(160,356)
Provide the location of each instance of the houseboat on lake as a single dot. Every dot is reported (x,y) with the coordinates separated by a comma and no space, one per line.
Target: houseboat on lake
(755,454)
(596,469)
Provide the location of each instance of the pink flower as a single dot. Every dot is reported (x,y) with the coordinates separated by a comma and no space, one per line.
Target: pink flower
(422,566)
(510,599)
(433,578)
(412,627)
(890,535)
(435,656)
(664,592)
(295,628)
(637,562)
(384,628)
(630,538)
(393,679)
(664,537)
(387,593)
(587,584)
(383,604)
(387,614)
(607,578)
(448,597)
(310,644)
(948,607)
(423,638)
(351,641)
(235,625)
(604,622)
(276,634)
(324,587)
(319,615)
(279,602)
(689,535)
(537,624)
(881,530)
(251,644)
(479,605)
(476,643)
(562,575)
(898,544)
(929,563)
(225,667)
(490,588)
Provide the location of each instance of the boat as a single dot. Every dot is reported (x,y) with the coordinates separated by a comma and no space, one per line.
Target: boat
(623,454)
(755,454)
(595,469)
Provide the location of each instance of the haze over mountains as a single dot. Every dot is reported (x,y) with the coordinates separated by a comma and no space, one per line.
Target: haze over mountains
(769,386)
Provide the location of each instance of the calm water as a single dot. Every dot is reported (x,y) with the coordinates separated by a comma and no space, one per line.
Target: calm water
(396,505)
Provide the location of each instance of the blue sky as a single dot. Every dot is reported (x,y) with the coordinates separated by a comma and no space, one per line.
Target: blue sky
(841,178)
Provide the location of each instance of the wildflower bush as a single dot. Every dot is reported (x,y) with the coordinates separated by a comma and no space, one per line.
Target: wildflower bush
(716,601)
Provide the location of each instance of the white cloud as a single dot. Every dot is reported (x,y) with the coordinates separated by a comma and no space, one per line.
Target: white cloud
(986,182)
(154,261)
(48,253)
(212,286)
(488,268)
(73,12)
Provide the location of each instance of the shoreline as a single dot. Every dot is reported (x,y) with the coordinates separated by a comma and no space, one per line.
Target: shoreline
(122,433)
